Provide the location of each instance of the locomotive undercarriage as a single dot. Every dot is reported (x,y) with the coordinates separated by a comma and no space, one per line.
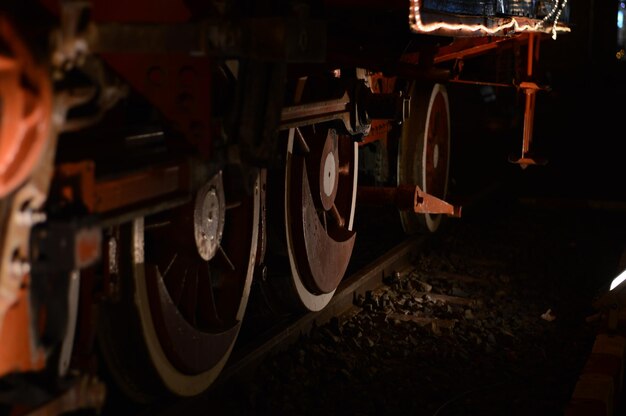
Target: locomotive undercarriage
(164,162)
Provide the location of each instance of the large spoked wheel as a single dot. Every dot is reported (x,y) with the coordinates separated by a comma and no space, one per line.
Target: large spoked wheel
(191,272)
(424,152)
(320,193)
(26,108)
(27,146)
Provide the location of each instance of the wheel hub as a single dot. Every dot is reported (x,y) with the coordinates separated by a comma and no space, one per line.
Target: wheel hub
(208,217)
(328,169)
(329,174)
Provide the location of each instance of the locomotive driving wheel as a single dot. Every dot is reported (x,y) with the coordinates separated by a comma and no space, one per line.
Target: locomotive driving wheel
(320,193)
(424,152)
(191,272)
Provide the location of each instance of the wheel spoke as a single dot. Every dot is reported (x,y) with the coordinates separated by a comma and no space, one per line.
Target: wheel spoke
(302,144)
(208,312)
(176,282)
(34,111)
(189,301)
(157,225)
(232,205)
(226,258)
(169,266)
(334,213)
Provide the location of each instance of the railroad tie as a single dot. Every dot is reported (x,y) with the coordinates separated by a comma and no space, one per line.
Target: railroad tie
(600,384)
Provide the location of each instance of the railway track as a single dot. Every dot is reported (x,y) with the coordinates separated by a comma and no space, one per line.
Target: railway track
(249,353)
(433,325)
(489,329)
(383,240)
(366,278)
(168,171)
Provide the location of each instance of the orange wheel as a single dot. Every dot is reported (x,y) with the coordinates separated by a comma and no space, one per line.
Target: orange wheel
(25,109)
(25,119)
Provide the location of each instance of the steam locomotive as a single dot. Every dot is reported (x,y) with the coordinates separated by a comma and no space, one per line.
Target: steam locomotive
(157,157)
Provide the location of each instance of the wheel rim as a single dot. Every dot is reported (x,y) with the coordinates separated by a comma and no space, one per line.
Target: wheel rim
(424,152)
(191,306)
(320,194)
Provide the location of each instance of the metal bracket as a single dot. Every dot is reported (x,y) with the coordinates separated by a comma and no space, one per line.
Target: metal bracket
(530,92)
(60,246)
(356,109)
(407,198)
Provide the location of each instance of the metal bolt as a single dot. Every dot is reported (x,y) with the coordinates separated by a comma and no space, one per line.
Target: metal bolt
(29,217)
(19,268)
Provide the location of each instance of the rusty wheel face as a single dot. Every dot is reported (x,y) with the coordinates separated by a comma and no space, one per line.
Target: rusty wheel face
(320,192)
(424,152)
(192,272)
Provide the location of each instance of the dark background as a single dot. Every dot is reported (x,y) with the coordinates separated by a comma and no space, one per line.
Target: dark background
(579,119)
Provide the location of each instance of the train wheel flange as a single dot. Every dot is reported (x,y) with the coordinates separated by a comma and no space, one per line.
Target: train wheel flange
(424,152)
